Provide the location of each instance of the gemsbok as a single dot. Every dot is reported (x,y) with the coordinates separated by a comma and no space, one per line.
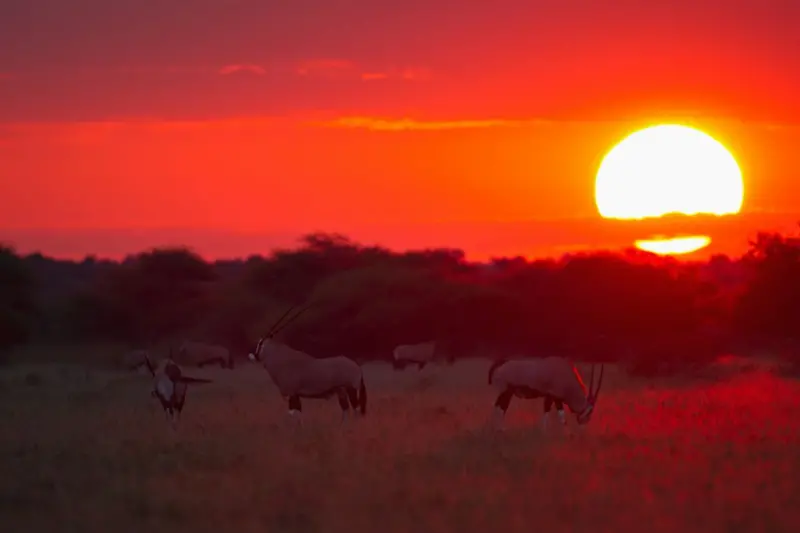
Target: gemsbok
(169,386)
(298,375)
(413,354)
(553,378)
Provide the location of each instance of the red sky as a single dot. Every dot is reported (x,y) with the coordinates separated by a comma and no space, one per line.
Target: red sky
(236,125)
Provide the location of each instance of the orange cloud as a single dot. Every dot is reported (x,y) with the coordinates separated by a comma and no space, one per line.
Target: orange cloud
(253,69)
(407,124)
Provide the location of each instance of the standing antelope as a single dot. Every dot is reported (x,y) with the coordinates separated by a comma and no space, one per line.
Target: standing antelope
(553,378)
(420,354)
(169,386)
(299,375)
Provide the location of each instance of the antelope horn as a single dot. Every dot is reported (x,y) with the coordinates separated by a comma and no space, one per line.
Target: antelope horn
(591,383)
(292,319)
(150,366)
(277,323)
(599,383)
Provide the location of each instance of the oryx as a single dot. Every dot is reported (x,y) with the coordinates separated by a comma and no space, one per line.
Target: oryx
(201,354)
(299,375)
(135,359)
(553,378)
(408,354)
(169,386)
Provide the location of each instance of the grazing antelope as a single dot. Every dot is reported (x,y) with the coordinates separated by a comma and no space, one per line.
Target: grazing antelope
(169,386)
(299,375)
(407,354)
(201,354)
(135,359)
(553,378)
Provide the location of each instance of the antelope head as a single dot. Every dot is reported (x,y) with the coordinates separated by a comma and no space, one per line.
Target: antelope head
(278,326)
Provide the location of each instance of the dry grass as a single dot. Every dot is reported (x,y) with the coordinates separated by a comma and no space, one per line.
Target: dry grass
(90,451)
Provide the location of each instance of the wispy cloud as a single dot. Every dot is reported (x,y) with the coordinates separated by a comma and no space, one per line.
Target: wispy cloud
(408,74)
(344,69)
(407,124)
(248,67)
(325,68)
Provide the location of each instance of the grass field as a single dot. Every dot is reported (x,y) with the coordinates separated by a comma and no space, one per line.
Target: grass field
(90,450)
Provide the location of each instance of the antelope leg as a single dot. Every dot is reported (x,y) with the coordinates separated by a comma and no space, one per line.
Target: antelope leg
(295,409)
(501,406)
(343,403)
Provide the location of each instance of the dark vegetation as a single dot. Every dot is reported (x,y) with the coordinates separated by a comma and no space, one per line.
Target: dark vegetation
(652,314)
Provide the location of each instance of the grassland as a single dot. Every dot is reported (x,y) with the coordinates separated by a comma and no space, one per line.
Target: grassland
(85,449)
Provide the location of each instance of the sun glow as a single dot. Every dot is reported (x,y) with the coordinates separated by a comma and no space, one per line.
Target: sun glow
(674,246)
(668,169)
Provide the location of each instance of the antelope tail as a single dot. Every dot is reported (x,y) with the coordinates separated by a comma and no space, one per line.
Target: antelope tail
(362,396)
(497,364)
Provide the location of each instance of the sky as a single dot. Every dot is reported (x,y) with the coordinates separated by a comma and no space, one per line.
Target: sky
(234,126)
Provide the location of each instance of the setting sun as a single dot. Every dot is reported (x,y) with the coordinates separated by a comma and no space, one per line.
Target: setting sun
(668,169)
(674,246)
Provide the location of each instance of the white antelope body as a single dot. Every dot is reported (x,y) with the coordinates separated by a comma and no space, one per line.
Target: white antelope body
(201,354)
(170,386)
(420,354)
(298,375)
(553,378)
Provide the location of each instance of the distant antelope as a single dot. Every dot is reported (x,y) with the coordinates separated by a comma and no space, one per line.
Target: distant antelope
(201,354)
(169,386)
(408,354)
(135,359)
(299,375)
(553,378)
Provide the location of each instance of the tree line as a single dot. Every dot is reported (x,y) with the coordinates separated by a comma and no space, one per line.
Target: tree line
(646,311)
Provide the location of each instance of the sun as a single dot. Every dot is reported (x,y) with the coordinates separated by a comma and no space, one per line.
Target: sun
(668,169)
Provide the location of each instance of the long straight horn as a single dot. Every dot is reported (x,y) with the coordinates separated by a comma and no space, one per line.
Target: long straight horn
(292,319)
(599,383)
(150,366)
(277,323)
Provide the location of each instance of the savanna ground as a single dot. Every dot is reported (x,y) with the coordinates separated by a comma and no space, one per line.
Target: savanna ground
(89,450)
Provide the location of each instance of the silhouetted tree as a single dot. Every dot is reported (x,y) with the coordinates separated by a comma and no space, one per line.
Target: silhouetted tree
(17,300)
